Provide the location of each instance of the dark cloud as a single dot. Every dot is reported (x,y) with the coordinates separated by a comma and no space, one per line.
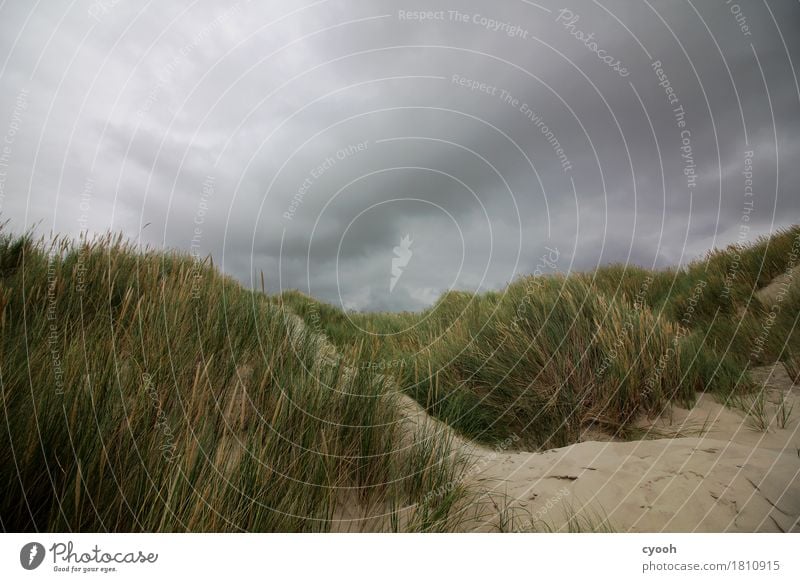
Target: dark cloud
(489,138)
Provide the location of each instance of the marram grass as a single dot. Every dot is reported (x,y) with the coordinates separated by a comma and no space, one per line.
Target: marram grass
(145,391)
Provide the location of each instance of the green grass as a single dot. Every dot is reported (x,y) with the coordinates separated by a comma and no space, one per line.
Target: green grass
(145,391)
(549,356)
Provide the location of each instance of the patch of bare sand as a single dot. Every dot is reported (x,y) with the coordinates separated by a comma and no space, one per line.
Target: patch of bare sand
(718,475)
(706,469)
(769,294)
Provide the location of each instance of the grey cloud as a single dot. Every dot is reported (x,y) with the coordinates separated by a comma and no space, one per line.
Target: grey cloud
(148,104)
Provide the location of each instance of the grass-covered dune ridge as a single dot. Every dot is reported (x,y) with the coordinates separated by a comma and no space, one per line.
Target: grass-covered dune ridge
(145,391)
(551,356)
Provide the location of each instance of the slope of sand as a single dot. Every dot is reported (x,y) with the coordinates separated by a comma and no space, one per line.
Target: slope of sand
(708,469)
(719,474)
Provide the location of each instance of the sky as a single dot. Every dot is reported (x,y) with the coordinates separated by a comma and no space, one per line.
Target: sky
(375,154)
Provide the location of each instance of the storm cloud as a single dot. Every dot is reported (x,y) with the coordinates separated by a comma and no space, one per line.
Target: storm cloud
(307,140)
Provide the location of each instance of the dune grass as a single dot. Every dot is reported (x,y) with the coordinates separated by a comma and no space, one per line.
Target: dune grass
(551,356)
(144,391)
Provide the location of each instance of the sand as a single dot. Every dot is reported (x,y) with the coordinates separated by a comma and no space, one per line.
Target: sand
(707,469)
(771,293)
(719,474)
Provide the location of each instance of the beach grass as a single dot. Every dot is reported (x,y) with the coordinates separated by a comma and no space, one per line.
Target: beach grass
(144,390)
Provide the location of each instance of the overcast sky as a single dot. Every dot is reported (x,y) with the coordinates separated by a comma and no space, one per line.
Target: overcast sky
(307,139)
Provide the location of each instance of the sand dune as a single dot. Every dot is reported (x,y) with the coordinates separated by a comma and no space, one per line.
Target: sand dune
(708,469)
(731,477)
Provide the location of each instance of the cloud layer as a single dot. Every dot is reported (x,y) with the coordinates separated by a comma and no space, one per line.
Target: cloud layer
(306,140)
